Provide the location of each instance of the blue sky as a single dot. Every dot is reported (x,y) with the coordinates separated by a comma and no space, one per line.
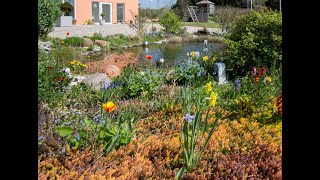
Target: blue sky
(156,4)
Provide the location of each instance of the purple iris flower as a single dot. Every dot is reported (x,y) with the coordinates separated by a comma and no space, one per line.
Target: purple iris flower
(188,117)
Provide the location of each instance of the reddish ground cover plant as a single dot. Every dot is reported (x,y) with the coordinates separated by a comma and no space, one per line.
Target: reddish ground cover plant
(237,149)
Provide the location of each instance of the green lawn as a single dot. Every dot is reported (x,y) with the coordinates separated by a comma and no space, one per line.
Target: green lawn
(210,24)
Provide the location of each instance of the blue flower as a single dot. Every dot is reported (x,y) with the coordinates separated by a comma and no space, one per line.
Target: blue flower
(188,117)
(75,111)
(77,137)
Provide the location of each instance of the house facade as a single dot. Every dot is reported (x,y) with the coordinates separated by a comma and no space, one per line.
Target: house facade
(116,11)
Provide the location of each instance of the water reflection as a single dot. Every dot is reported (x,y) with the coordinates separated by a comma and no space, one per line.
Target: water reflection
(172,53)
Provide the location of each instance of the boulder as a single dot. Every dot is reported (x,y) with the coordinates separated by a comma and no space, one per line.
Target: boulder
(87,42)
(112,70)
(97,81)
(46,46)
(101,43)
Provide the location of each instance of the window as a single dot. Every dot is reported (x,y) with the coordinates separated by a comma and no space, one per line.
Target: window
(120,12)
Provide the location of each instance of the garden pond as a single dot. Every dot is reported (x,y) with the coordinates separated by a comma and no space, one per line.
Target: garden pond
(172,54)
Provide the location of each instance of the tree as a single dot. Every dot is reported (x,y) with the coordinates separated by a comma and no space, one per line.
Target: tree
(48,12)
(225,15)
(171,22)
(233,3)
(180,7)
(138,23)
(273,4)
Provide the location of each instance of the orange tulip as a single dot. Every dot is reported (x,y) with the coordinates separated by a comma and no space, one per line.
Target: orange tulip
(256,79)
(109,106)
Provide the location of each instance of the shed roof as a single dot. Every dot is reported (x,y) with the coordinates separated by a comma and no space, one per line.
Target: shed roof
(204,2)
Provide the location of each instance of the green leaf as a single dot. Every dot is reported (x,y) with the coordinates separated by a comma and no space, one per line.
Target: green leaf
(179,174)
(88,121)
(64,131)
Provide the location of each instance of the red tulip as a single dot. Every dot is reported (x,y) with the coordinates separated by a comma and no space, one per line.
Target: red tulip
(264,71)
(148,56)
(68,33)
(49,68)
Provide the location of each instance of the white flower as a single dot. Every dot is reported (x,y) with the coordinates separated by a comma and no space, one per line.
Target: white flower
(67,70)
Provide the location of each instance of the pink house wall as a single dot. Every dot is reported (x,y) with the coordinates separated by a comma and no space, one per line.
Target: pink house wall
(84,8)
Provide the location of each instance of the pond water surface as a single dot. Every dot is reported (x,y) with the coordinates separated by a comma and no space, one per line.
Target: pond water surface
(172,53)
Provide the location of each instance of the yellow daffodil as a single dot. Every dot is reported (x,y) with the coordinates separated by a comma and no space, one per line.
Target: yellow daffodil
(268,78)
(73,62)
(192,54)
(213,99)
(208,87)
(109,106)
(205,58)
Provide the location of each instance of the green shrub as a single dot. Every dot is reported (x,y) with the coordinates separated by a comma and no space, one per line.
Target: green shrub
(188,71)
(52,82)
(254,40)
(255,96)
(66,7)
(96,36)
(64,54)
(73,41)
(116,40)
(48,12)
(171,22)
(135,83)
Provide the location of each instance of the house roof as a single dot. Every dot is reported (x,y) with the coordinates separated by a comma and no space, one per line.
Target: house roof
(204,2)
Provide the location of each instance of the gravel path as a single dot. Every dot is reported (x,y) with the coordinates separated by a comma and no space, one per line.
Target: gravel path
(109,29)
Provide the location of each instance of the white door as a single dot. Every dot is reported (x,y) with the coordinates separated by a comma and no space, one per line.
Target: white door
(98,8)
(106,8)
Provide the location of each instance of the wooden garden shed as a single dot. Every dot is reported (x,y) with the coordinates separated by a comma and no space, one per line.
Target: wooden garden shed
(204,9)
